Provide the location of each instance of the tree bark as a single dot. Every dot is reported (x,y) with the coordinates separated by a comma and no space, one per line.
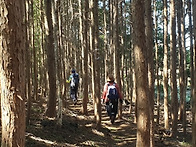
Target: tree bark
(194,64)
(189,6)
(143,118)
(85,48)
(28,65)
(182,52)
(106,64)
(157,63)
(51,111)
(174,98)
(150,61)
(165,68)
(12,61)
(95,62)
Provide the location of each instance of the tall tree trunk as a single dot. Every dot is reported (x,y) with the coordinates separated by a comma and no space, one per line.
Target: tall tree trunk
(12,61)
(34,53)
(121,47)
(116,47)
(184,88)
(150,61)
(111,41)
(182,67)
(143,118)
(92,48)
(58,67)
(157,61)
(165,68)
(174,99)
(95,61)
(51,111)
(194,96)
(28,68)
(97,58)
(41,52)
(181,57)
(189,6)
(106,64)
(85,48)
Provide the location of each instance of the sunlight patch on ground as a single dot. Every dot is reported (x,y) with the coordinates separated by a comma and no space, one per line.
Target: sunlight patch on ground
(123,140)
(48,142)
(83,117)
(88,143)
(124,125)
(112,127)
(97,132)
(89,125)
(116,126)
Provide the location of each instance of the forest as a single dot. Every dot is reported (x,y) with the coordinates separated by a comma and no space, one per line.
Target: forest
(147,45)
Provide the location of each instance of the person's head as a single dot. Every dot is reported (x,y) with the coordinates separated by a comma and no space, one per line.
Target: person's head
(110,78)
(73,71)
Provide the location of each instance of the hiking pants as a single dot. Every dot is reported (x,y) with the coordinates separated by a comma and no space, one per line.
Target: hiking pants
(112,107)
(73,93)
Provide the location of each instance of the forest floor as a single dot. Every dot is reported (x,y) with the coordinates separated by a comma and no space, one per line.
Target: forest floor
(78,130)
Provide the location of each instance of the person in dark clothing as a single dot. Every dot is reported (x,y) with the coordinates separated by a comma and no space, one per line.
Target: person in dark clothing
(74,84)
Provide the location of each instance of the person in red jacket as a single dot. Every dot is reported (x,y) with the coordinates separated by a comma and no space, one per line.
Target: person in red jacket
(111,94)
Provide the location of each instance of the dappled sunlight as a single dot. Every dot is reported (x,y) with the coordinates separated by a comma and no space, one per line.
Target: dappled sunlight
(43,141)
(97,132)
(121,133)
(81,130)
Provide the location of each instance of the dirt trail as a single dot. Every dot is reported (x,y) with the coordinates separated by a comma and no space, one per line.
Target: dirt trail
(121,133)
(80,130)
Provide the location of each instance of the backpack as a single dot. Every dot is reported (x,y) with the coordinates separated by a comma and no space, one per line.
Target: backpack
(112,92)
(74,81)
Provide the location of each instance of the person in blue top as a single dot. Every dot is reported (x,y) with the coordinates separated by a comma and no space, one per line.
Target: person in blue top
(74,83)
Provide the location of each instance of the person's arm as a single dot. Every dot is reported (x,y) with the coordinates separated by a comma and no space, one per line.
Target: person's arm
(104,91)
(69,79)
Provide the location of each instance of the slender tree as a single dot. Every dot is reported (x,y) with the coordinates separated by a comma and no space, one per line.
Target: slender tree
(51,111)
(95,61)
(189,8)
(143,118)
(165,67)
(84,44)
(157,61)
(106,64)
(150,61)
(194,96)
(28,72)
(182,68)
(57,48)
(116,46)
(111,40)
(174,99)
(121,25)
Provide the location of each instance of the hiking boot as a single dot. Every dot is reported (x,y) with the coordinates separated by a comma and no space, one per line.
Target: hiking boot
(112,119)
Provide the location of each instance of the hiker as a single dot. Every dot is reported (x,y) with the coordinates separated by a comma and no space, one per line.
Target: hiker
(111,95)
(74,83)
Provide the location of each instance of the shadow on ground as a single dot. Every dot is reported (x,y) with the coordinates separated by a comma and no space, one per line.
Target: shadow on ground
(79,130)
